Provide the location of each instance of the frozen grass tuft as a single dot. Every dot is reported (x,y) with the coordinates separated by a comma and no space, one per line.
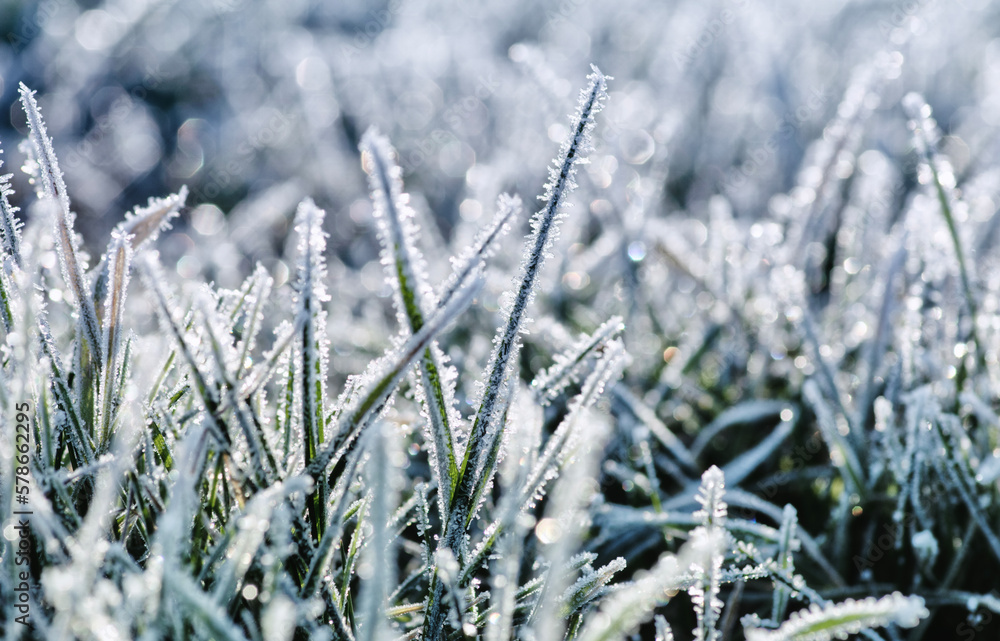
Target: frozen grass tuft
(789,421)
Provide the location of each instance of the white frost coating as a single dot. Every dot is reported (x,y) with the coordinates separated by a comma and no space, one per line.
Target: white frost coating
(663,631)
(144,224)
(632,604)
(544,225)
(10,225)
(154,279)
(787,542)
(591,585)
(710,538)
(379,551)
(60,385)
(925,546)
(486,434)
(312,341)
(837,621)
(508,208)
(406,273)
(567,435)
(403,261)
(380,379)
(71,259)
(568,364)
(119,269)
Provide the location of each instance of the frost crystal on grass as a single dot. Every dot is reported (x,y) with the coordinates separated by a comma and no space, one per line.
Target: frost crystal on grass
(312,345)
(712,533)
(405,271)
(70,257)
(487,430)
(119,268)
(839,620)
(11,225)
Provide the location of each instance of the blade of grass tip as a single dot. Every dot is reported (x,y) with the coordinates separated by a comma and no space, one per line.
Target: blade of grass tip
(119,266)
(508,208)
(544,226)
(382,378)
(10,225)
(663,630)
(143,225)
(311,296)
(568,363)
(405,270)
(705,591)
(53,186)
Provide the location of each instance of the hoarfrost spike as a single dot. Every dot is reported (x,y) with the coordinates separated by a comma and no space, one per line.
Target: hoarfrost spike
(52,186)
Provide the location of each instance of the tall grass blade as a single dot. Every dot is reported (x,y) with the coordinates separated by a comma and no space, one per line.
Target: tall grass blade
(406,272)
(53,186)
(312,346)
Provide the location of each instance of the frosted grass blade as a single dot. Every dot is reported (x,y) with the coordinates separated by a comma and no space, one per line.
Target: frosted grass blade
(312,347)
(53,186)
(406,272)
(486,430)
(119,266)
(10,225)
(836,621)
